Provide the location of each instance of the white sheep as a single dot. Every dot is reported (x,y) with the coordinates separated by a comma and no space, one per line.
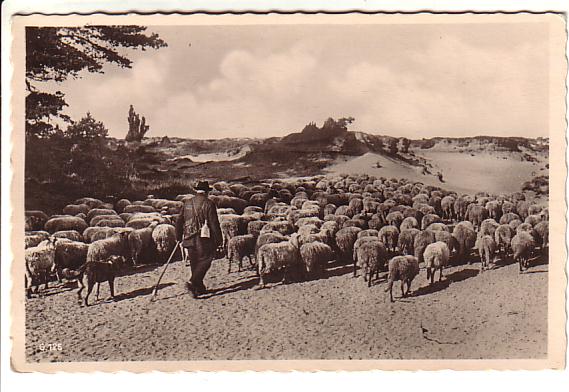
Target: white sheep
(40,263)
(274,257)
(436,256)
(315,255)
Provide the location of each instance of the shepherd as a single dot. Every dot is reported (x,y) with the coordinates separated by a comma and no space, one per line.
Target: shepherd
(199,231)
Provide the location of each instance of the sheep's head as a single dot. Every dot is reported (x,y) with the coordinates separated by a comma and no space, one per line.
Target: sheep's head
(294,240)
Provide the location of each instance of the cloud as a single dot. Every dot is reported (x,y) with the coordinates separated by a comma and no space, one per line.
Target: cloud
(447,87)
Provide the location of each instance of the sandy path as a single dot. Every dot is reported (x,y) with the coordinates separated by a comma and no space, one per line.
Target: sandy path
(497,314)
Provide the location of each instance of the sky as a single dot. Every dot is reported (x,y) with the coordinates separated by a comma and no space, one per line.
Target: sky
(411,80)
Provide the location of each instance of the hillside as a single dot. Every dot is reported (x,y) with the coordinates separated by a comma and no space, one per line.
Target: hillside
(495,164)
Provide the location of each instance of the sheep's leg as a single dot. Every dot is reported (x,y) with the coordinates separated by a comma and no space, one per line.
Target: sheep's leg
(261,281)
(112,288)
(369,277)
(240,265)
(521,264)
(229,265)
(81,287)
(408,287)
(355,268)
(402,288)
(90,286)
(250,258)
(428,273)
(440,274)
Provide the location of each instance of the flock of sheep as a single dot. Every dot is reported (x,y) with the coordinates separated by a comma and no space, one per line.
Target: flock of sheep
(376,224)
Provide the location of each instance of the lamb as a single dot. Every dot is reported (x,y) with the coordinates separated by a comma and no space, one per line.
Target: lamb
(117,244)
(97,272)
(72,235)
(422,240)
(315,255)
(371,257)
(389,235)
(486,249)
(278,256)
(65,223)
(403,268)
(436,256)
(345,239)
(141,244)
(40,263)
(164,237)
(406,240)
(238,248)
(503,238)
(523,245)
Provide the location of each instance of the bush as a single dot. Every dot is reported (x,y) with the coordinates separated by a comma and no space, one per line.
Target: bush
(75,163)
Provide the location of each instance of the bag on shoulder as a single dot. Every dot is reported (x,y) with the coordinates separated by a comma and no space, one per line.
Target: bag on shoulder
(204,232)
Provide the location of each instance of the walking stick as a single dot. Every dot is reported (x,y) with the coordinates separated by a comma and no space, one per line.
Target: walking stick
(155,291)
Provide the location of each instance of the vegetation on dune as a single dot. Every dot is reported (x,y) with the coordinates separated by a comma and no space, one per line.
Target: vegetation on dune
(72,162)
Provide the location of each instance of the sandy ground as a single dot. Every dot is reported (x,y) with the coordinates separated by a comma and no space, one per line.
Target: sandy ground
(462,172)
(497,314)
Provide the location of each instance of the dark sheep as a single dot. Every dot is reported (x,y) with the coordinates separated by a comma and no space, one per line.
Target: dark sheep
(403,268)
(422,240)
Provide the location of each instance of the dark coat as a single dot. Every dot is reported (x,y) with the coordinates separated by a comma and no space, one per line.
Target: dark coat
(193,215)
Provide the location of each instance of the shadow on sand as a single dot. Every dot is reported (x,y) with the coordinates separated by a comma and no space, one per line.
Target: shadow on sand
(246,284)
(454,277)
(140,292)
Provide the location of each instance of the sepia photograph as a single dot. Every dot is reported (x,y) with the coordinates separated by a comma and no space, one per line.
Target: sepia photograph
(375,191)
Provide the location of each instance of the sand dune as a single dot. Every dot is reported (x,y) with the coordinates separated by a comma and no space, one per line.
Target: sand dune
(462,172)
